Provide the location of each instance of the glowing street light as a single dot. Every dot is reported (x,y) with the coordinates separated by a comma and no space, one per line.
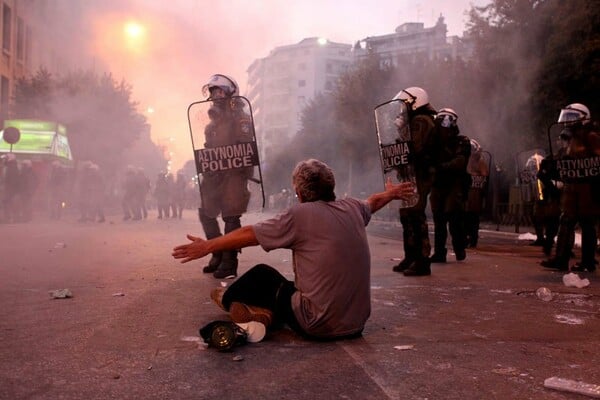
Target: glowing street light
(134,30)
(135,36)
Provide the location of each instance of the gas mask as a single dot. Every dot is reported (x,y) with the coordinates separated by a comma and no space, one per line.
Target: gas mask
(447,121)
(223,335)
(400,121)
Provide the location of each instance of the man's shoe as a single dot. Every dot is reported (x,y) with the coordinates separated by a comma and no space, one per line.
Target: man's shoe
(403,265)
(461,254)
(438,257)
(419,268)
(217,296)
(241,313)
(537,242)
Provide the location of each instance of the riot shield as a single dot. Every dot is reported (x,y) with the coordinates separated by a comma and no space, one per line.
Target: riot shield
(395,146)
(574,158)
(226,156)
(479,168)
(528,166)
(558,139)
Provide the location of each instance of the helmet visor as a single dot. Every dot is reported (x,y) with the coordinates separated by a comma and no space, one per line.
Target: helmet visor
(570,115)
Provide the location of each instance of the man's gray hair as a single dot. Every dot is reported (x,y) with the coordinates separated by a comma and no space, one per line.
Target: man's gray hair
(314,180)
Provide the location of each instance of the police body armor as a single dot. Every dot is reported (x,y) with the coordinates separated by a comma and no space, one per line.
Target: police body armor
(226,156)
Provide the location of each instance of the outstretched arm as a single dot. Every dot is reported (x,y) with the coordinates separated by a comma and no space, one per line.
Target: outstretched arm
(399,191)
(198,248)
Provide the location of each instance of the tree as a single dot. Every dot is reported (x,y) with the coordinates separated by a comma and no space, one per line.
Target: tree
(571,59)
(34,95)
(363,87)
(101,118)
(316,139)
(552,60)
(503,76)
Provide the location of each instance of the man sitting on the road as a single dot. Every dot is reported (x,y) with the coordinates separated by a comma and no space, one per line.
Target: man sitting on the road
(330,297)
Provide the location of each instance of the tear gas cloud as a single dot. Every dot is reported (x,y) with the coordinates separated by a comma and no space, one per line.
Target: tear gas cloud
(177,45)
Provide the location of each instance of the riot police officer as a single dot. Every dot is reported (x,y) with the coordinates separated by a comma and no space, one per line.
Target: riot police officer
(224,192)
(580,202)
(479,171)
(413,219)
(547,209)
(450,185)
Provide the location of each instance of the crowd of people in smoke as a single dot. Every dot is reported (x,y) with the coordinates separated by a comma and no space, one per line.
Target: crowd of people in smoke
(18,184)
(83,193)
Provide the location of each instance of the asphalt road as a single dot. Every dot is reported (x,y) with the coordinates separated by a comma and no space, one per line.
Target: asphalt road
(472,330)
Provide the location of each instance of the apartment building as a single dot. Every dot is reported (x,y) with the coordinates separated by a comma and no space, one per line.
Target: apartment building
(412,41)
(36,33)
(281,84)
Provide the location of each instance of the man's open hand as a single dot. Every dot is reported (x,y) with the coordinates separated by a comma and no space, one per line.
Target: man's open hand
(400,191)
(191,251)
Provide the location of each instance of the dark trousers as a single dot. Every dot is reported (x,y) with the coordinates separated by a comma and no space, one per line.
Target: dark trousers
(263,286)
(455,222)
(472,228)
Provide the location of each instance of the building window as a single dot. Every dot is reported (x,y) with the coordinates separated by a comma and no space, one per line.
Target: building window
(28,37)
(328,85)
(20,39)
(301,83)
(6,28)
(302,66)
(328,68)
(3,98)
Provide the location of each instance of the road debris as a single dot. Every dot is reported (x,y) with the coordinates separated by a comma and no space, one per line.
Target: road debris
(573,280)
(60,294)
(508,371)
(544,294)
(568,385)
(405,347)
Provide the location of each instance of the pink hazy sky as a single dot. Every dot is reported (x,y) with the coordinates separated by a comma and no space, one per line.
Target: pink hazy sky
(186,41)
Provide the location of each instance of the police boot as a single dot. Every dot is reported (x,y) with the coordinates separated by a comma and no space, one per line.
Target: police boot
(211,230)
(404,264)
(460,253)
(421,267)
(228,267)
(558,263)
(439,256)
(548,243)
(213,263)
(409,250)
